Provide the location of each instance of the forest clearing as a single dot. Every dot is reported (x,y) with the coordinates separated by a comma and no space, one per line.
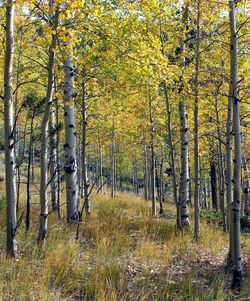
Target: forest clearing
(124,150)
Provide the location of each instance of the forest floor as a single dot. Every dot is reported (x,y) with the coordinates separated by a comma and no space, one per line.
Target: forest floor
(122,254)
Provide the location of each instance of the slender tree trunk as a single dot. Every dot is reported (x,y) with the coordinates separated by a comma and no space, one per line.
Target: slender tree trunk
(221,169)
(9,132)
(16,129)
(53,160)
(145,155)
(161,190)
(113,162)
(100,165)
(152,131)
(184,177)
(229,169)
(196,131)
(27,218)
(237,278)
(172,157)
(58,165)
(214,185)
(44,206)
(70,145)
(84,152)
(246,189)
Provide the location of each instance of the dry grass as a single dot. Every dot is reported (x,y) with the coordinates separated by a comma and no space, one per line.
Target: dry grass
(122,254)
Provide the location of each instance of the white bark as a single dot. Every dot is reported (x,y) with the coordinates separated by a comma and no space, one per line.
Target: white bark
(196,131)
(9,132)
(237,279)
(113,167)
(53,160)
(44,206)
(173,157)
(184,177)
(70,142)
(152,146)
(84,153)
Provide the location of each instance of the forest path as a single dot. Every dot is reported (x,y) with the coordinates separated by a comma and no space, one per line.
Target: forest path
(151,257)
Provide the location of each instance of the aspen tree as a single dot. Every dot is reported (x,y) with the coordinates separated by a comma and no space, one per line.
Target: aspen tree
(184,174)
(196,128)
(173,157)
(53,159)
(84,153)
(9,132)
(70,146)
(152,150)
(44,206)
(113,160)
(237,277)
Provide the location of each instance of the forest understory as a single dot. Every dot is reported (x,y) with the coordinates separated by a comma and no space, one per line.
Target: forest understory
(122,253)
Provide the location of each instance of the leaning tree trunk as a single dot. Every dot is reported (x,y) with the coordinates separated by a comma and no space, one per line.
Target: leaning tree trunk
(9,132)
(44,206)
(70,146)
(237,278)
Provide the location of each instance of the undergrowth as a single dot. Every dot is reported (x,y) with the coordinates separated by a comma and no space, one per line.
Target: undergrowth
(122,254)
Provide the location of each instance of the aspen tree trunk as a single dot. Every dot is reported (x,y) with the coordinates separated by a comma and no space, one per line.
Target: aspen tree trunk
(196,131)
(44,206)
(237,277)
(27,217)
(172,157)
(221,179)
(113,162)
(135,175)
(100,164)
(184,178)
(145,169)
(70,145)
(229,169)
(152,130)
(16,129)
(161,190)
(9,132)
(213,176)
(84,153)
(21,160)
(58,158)
(246,189)
(53,160)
